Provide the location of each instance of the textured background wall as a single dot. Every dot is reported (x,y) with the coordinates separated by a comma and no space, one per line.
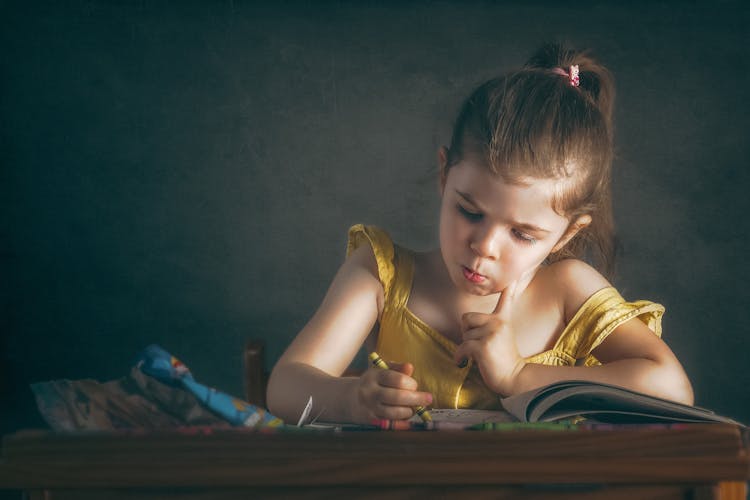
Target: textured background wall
(184,173)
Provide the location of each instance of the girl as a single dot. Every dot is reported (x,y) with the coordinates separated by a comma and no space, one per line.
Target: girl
(505,304)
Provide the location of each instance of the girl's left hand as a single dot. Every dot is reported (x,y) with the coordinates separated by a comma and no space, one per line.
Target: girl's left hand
(490,342)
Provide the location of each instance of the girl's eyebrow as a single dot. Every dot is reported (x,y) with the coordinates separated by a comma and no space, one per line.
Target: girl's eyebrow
(523,225)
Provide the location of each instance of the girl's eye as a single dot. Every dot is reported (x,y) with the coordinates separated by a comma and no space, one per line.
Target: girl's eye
(471,216)
(523,238)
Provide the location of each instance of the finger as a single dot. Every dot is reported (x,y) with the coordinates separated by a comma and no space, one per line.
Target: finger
(464,353)
(400,397)
(405,368)
(477,333)
(502,308)
(393,412)
(471,320)
(396,380)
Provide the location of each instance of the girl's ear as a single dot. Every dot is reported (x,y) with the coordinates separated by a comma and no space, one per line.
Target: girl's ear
(580,223)
(442,165)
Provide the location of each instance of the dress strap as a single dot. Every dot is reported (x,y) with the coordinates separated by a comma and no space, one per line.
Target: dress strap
(404,260)
(382,248)
(598,317)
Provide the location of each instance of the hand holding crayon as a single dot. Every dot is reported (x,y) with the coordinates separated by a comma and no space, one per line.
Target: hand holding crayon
(378,362)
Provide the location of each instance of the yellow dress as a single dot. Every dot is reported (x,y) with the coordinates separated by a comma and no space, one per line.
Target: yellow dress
(403,337)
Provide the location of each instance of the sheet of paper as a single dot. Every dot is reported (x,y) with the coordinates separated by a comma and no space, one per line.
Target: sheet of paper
(468,417)
(305,413)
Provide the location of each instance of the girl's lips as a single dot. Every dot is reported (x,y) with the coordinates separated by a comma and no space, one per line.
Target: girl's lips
(472,276)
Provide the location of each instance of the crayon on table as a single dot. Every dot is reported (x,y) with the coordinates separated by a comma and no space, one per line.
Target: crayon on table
(605,426)
(377,362)
(515,426)
(410,425)
(401,425)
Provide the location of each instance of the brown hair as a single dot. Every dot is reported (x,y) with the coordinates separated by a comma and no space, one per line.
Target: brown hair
(533,123)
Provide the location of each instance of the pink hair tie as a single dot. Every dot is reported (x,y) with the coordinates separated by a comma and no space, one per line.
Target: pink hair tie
(575,80)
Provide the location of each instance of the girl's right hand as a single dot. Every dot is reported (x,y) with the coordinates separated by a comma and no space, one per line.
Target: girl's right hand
(389,394)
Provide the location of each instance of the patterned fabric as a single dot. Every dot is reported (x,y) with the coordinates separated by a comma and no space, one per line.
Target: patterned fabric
(164,367)
(160,392)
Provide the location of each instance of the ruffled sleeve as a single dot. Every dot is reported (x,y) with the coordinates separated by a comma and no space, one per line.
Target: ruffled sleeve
(382,247)
(598,317)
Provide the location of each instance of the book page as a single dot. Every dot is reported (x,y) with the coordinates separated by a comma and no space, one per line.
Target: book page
(518,405)
(603,401)
(468,417)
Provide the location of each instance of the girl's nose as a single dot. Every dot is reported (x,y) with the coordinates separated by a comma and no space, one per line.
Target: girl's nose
(487,244)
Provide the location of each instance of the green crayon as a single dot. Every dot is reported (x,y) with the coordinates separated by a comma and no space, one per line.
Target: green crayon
(514,426)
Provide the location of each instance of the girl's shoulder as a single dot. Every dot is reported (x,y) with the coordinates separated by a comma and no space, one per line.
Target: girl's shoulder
(372,249)
(573,282)
(362,260)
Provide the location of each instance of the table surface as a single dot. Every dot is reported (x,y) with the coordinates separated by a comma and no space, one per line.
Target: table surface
(190,457)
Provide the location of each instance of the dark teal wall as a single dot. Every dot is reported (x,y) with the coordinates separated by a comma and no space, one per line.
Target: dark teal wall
(184,173)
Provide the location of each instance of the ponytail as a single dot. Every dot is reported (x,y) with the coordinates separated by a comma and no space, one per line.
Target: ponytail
(595,81)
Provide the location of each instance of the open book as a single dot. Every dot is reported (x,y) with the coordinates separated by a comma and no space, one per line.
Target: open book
(601,402)
(572,398)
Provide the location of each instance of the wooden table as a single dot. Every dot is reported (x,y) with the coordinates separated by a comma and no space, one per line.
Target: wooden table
(697,461)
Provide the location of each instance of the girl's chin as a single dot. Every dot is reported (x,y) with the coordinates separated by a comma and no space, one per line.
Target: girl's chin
(478,289)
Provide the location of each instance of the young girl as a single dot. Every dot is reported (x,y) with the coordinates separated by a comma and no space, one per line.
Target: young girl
(505,304)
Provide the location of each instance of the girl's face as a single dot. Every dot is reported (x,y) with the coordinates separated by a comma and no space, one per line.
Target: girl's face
(493,233)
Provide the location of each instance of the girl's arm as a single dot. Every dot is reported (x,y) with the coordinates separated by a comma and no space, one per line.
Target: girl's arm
(631,356)
(315,360)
